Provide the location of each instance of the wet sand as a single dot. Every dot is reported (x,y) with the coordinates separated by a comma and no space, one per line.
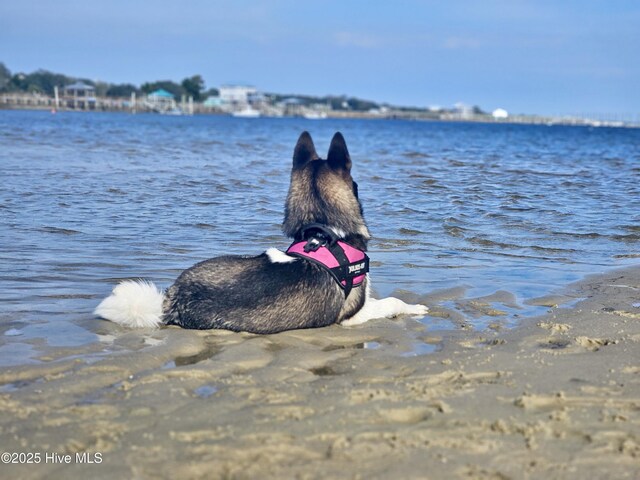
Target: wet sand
(556,397)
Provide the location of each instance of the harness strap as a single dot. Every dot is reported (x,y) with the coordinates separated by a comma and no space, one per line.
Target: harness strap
(346,264)
(338,272)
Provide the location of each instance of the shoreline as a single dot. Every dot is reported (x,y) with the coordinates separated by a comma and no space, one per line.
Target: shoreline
(556,396)
(350,115)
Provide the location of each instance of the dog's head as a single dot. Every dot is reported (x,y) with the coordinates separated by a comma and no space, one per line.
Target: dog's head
(322,191)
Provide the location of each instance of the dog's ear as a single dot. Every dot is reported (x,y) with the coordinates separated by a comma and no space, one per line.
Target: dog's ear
(305,151)
(338,156)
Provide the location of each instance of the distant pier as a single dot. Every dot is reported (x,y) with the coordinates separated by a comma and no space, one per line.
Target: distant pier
(71,101)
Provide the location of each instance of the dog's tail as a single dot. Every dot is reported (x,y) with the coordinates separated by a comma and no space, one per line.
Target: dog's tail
(134,304)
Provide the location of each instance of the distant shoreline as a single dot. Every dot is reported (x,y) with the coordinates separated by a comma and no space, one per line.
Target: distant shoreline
(107,105)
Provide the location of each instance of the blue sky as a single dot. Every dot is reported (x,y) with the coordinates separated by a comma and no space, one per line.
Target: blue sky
(548,57)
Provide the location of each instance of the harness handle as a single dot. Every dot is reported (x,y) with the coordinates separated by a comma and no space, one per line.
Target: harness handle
(318,235)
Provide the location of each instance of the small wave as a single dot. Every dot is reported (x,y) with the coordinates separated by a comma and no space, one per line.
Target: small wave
(206,226)
(552,250)
(410,210)
(490,243)
(58,230)
(524,171)
(631,237)
(408,231)
(456,163)
(412,265)
(580,235)
(414,154)
(386,244)
(571,183)
(70,296)
(565,260)
(433,183)
(517,209)
(454,231)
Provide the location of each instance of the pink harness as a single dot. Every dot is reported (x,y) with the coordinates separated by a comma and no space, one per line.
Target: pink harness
(347,264)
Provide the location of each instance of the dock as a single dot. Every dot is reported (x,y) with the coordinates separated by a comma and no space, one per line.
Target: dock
(187,106)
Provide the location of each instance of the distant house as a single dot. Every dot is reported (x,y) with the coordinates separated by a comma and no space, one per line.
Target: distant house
(292,107)
(161,101)
(256,99)
(213,102)
(500,114)
(236,94)
(80,90)
(80,95)
(463,110)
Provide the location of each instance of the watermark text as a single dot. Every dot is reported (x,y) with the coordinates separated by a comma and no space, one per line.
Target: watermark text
(26,458)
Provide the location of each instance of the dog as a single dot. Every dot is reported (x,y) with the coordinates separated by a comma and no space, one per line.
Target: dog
(322,279)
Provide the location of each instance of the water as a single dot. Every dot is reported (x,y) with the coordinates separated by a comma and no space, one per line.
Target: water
(89,199)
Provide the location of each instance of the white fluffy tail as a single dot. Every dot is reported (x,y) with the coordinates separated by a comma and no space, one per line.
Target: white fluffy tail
(134,304)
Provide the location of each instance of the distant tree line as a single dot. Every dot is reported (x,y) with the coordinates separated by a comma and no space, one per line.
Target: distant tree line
(44,81)
(341,102)
(192,86)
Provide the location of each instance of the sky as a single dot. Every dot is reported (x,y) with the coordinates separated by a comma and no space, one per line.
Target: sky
(555,57)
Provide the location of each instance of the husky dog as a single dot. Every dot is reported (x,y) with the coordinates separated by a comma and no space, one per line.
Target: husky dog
(321,279)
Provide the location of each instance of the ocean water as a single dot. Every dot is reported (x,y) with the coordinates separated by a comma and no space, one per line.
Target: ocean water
(88,199)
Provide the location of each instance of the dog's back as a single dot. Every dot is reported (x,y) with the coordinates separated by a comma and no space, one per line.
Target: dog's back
(253,294)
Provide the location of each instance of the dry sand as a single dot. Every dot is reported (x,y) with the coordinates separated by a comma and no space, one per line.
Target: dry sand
(556,397)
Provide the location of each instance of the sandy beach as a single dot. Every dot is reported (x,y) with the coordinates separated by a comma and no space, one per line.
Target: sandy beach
(556,397)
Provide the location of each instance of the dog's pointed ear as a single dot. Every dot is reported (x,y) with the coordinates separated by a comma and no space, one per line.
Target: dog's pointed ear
(338,156)
(305,151)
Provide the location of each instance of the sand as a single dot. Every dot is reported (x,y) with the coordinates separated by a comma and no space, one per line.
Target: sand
(556,397)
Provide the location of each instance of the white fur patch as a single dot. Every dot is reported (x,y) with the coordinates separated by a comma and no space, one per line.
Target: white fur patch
(339,232)
(385,308)
(134,304)
(276,256)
